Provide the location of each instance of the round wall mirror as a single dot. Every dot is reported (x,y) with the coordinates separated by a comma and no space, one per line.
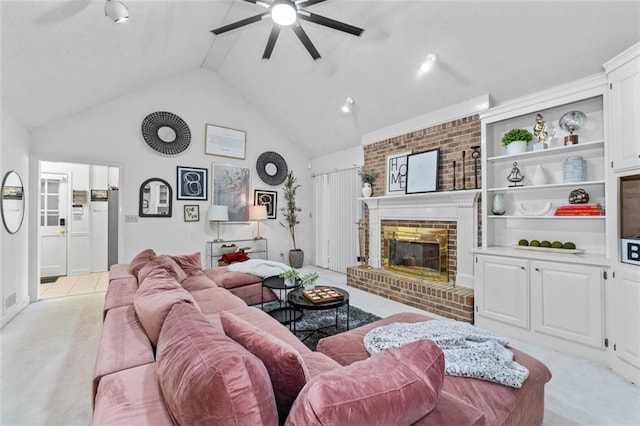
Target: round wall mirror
(12,202)
(155,198)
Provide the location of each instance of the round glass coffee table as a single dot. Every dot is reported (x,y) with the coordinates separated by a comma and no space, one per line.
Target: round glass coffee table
(285,313)
(297,300)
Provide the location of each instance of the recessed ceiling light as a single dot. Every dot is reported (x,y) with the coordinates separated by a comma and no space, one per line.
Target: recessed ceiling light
(429,62)
(348,105)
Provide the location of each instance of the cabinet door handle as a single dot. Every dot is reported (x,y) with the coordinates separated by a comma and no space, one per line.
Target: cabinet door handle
(522,267)
(537,270)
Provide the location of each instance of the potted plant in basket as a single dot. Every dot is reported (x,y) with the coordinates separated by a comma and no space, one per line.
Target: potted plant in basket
(515,140)
(367,179)
(290,212)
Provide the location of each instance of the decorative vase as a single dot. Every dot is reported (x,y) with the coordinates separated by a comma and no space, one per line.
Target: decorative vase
(539,176)
(296,258)
(366,190)
(517,147)
(498,207)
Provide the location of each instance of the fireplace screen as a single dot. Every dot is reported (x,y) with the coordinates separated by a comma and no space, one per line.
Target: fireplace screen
(416,251)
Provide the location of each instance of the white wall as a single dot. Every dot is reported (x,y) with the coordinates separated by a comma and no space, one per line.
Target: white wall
(110,134)
(341,160)
(14,248)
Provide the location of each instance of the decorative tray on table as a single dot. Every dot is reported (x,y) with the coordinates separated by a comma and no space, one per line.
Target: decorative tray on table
(322,295)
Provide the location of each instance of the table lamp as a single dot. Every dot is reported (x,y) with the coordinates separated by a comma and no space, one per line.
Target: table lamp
(218,214)
(258,213)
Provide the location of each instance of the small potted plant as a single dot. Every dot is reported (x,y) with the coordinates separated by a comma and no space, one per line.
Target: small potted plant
(291,275)
(515,140)
(309,279)
(367,180)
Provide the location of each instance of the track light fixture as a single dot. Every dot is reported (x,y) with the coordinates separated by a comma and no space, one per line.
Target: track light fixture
(348,105)
(428,63)
(116,10)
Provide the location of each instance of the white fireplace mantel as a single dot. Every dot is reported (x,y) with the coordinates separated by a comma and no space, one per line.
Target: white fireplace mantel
(458,206)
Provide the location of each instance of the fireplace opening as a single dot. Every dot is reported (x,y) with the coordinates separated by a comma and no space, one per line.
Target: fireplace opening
(416,251)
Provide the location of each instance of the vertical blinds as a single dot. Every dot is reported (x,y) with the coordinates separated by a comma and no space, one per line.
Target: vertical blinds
(337,211)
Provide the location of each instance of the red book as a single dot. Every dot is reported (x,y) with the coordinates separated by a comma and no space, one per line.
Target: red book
(580,213)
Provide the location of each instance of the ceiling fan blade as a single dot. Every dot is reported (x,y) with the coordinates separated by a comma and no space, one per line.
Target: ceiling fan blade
(275,31)
(240,23)
(306,3)
(328,22)
(263,3)
(304,38)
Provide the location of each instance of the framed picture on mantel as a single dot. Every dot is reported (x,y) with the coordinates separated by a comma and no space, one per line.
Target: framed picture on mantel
(422,172)
(397,173)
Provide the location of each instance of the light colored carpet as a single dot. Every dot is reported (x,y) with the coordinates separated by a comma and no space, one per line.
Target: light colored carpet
(48,353)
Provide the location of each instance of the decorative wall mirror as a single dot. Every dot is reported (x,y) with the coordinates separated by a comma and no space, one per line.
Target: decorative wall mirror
(12,202)
(155,198)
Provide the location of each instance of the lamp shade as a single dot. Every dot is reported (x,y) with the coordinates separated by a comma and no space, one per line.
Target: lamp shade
(257,212)
(218,213)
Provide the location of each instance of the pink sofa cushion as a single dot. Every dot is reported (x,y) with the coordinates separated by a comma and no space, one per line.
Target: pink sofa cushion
(207,378)
(318,363)
(286,367)
(120,292)
(154,299)
(228,279)
(396,386)
(198,281)
(213,300)
(131,397)
(140,260)
(120,270)
(189,263)
(162,262)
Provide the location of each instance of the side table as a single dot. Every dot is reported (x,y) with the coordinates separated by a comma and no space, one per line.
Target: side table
(297,300)
(284,314)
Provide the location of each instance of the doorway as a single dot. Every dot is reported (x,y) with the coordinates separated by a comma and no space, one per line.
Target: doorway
(78,219)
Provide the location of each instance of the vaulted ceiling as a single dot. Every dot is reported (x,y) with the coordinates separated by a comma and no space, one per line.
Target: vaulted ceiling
(60,57)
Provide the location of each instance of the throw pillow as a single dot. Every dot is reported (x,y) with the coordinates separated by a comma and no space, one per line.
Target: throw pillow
(154,299)
(397,386)
(165,262)
(208,379)
(189,263)
(140,260)
(285,365)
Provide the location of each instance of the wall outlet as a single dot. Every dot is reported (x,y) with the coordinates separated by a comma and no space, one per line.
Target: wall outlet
(130,218)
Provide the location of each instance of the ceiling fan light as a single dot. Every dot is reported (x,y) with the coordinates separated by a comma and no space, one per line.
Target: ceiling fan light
(283,13)
(348,104)
(116,11)
(429,62)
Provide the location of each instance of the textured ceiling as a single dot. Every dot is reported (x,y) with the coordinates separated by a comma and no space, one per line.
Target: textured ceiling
(60,57)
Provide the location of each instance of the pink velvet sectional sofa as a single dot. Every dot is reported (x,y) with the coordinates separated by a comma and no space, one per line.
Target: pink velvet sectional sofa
(182,346)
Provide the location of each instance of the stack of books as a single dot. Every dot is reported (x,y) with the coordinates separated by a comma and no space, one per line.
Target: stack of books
(580,210)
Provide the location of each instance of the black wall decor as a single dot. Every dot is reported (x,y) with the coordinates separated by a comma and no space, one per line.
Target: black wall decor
(271,168)
(166,133)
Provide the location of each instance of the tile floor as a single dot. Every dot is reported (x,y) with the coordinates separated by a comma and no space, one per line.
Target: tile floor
(73,285)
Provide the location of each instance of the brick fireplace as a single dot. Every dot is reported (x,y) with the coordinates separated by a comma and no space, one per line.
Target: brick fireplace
(453,211)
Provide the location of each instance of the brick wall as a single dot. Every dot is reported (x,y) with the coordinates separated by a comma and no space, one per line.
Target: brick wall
(452,138)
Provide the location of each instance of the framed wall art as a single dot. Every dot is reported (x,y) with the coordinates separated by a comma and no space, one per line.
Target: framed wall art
(225,142)
(266,198)
(192,183)
(397,173)
(232,188)
(191,213)
(422,172)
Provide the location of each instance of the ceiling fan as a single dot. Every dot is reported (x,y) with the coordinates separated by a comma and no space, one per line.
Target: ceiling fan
(285,13)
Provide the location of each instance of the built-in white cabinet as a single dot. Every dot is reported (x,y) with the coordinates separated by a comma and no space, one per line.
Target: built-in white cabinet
(623,74)
(555,304)
(626,319)
(567,301)
(502,290)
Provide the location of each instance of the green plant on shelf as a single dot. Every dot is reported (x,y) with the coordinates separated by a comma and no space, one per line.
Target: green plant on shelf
(514,135)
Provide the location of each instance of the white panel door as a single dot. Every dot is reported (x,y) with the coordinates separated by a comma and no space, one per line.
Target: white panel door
(567,301)
(627,315)
(53,224)
(502,289)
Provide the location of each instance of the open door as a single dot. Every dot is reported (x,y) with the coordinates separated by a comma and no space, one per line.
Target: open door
(53,224)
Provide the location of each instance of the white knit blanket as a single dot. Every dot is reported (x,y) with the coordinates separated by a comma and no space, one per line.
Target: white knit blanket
(259,267)
(468,351)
